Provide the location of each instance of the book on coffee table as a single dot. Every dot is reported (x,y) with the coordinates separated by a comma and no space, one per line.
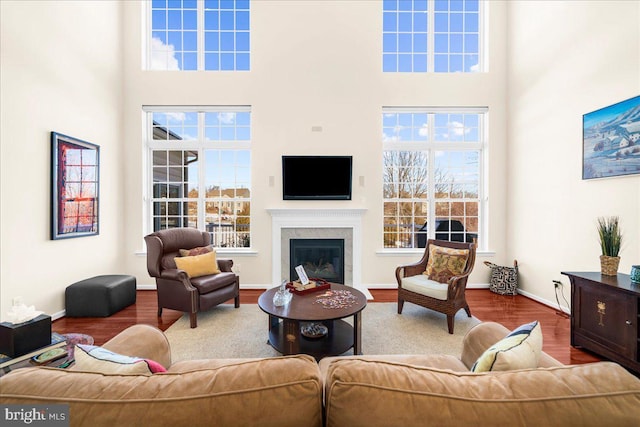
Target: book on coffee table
(57,340)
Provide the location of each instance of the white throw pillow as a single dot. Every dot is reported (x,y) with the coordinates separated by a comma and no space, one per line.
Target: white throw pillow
(90,358)
(520,349)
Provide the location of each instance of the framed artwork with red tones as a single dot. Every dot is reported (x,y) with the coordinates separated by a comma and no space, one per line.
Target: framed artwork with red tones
(75,179)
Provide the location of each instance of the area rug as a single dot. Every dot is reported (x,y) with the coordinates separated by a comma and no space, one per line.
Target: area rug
(228,332)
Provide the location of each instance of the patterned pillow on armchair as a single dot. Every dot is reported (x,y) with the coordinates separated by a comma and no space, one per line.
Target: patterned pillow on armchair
(446,265)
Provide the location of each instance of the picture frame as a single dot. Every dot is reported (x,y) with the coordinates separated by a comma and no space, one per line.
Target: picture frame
(611,140)
(75,182)
(302,275)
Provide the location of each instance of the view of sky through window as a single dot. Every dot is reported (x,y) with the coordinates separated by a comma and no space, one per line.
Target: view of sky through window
(432,175)
(442,36)
(200,35)
(201,171)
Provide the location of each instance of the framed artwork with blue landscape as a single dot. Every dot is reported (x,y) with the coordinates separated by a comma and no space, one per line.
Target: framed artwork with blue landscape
(611,140)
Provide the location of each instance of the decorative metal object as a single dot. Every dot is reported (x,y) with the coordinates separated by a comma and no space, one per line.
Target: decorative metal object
(601,311)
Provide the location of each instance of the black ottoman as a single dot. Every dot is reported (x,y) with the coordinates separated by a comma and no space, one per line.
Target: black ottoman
(100,296)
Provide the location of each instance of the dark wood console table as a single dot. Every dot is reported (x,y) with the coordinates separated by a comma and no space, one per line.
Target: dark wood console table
(605,311)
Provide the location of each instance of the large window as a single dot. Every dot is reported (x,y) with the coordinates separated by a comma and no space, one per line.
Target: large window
(433,175)
(198,35)
(200,171)
(443,36)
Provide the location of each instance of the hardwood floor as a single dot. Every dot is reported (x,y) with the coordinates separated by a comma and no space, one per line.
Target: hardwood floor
(510,311)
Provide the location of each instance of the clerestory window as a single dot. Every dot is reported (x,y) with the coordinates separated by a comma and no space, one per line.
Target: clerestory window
(442,36)
(198,35)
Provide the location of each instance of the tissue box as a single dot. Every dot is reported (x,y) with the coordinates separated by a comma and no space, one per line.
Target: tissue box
(16,340)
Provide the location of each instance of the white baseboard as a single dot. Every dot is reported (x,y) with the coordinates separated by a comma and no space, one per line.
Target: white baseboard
(58,315)
(548,303)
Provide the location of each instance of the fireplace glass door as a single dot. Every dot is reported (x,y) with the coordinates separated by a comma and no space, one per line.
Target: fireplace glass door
(321,258)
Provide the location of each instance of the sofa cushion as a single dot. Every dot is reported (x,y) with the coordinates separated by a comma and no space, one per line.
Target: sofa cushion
(437,361)
(445,266)
(91,358)
(422,285)
(520,349)
(375,393)
(206,284)
(198,265)
(279,391)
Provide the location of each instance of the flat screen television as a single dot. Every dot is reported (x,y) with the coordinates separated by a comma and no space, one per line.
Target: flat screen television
(316,177)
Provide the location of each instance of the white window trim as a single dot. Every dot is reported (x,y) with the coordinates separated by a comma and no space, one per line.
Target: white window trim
(150,144)
(147,28)
(483,45)
(482,147)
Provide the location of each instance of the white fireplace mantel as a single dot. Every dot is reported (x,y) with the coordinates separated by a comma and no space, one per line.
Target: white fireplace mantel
(316,218)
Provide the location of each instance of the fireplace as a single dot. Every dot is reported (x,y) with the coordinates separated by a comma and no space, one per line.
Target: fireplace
(317,224)
(321,258)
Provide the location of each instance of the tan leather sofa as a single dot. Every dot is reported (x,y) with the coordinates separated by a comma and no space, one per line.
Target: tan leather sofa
(283,391)
(398,390)
(439,390)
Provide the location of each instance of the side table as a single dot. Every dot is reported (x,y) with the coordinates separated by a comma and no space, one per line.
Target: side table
(24,361)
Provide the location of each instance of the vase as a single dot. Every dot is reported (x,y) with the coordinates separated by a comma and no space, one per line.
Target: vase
(609,265)
(282,295)
(635,273)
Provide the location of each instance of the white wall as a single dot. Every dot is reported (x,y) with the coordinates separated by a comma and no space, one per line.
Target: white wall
(60,71)
(566,59)
(314,63)
(75,67)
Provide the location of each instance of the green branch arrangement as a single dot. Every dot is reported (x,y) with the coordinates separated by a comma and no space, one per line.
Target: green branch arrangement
(610,235)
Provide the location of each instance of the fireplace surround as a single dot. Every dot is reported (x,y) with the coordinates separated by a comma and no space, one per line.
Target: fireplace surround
(318,224)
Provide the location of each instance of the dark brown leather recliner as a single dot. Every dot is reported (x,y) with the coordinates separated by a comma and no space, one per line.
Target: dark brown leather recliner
(176,290)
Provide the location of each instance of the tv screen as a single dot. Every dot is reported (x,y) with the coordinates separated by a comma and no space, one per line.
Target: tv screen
(316,177)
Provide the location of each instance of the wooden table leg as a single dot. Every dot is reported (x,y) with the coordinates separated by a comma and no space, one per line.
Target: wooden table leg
(291,336)
(357,333)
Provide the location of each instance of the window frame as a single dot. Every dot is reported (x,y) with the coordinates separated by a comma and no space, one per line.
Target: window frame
(430,146)
(430,34)
(201,145)
(201,37)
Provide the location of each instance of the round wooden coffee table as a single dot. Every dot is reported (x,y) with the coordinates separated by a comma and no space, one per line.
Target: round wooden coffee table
(285,323)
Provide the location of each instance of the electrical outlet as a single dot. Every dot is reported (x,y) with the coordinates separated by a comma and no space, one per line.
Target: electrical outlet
(237,267)
(557,284)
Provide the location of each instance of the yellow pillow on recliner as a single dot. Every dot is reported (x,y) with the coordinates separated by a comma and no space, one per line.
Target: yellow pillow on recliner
(198,265)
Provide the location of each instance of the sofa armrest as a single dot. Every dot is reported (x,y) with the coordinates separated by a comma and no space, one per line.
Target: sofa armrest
(478,339)
(143,341)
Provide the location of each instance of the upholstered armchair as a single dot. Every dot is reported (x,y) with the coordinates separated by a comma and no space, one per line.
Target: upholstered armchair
(176,289)
(439,280)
